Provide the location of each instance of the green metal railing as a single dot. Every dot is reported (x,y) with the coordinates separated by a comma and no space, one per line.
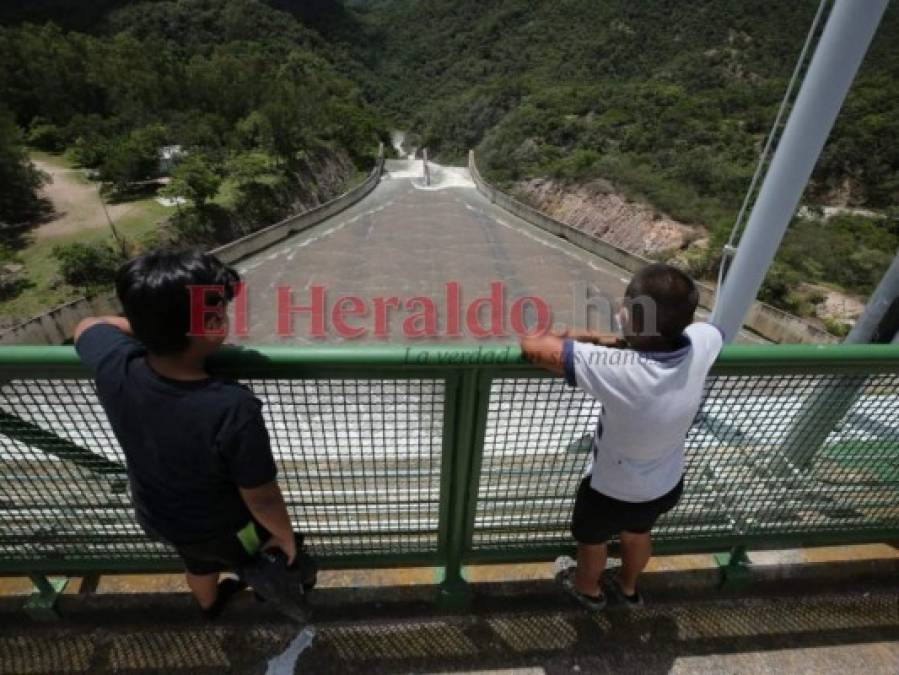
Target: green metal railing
(458,455)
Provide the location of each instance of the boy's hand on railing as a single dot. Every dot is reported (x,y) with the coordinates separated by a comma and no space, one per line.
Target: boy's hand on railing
(593,337)
(286,544)
(119,322)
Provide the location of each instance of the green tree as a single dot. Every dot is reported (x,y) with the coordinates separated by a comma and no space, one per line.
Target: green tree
(20,180)
(194,179)
(87,266)
(262,189)
(45,136)
(133,158)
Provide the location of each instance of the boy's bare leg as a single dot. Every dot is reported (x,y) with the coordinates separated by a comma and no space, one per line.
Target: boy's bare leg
(204,587)
(591,561)
(636,550)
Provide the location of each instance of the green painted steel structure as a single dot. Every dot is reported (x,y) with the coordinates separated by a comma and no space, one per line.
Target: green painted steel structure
(448,456)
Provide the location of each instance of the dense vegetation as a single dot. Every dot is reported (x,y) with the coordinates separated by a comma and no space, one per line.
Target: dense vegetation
(669,100)
(248,96)
(19,179)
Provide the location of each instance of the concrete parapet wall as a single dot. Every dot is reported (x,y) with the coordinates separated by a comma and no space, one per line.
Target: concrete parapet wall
(765,320)
(262,239)
(58,324)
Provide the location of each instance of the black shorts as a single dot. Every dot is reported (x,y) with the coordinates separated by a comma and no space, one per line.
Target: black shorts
(598,517)
(222,554)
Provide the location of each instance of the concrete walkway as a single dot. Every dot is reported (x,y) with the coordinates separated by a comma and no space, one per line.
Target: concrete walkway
(525,627)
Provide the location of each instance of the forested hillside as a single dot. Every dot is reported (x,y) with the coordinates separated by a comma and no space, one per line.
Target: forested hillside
(276,101)
(250,93)
(253,105)
(669,100)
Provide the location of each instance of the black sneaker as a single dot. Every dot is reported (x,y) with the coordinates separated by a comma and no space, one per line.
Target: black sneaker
(631,601)
(565,568)
(227,588)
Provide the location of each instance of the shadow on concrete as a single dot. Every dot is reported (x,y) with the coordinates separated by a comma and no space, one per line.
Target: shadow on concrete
(508,625)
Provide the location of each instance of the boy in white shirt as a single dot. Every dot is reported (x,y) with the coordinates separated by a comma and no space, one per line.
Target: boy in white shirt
(650,385)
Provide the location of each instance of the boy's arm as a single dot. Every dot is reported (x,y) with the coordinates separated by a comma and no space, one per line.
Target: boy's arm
(249,455)
(548,351)
(595,338)
(545,351)
(119,322)
(266,503)
(103,343)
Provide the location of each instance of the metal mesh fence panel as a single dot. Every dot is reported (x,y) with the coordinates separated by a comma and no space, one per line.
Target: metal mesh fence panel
(359,464)
(400,463)
(778,456)
(536,442)
(64,487)
(359,461)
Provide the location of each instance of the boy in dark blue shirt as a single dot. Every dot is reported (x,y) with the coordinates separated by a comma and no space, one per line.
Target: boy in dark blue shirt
(199,461)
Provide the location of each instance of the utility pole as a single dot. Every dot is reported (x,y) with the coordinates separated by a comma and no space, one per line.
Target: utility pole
(843,44)
(120,242)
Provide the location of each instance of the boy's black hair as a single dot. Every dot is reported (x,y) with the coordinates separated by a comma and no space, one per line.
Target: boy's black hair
(154,291)
(673,294)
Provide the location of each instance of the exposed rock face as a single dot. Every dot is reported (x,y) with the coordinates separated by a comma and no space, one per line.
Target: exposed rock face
(323,179)
(596,208)
(836,305)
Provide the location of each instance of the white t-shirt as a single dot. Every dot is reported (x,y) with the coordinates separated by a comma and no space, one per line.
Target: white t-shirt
(649,401)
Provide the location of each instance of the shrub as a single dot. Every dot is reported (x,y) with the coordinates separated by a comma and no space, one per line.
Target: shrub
(46,137)
(194,179)
(836,327)
(87,265)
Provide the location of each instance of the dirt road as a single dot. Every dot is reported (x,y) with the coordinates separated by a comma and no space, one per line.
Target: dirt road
(76,202)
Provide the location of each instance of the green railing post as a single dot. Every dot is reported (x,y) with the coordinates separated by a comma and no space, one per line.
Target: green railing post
(734,566)
(464,415)
(41,606)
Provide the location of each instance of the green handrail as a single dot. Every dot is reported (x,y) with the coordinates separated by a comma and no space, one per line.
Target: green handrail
(448,455)
(20,359)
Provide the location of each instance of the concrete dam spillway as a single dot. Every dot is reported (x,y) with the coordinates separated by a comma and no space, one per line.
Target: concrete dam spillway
(416,262)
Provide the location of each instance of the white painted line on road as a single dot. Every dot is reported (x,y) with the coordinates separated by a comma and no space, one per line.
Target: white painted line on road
(592,265)
(318,237)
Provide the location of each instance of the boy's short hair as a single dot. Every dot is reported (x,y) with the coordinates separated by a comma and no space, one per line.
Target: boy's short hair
(671,291)
(154,291)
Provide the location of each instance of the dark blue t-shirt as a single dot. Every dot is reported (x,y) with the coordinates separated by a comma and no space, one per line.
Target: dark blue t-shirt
(188,445)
